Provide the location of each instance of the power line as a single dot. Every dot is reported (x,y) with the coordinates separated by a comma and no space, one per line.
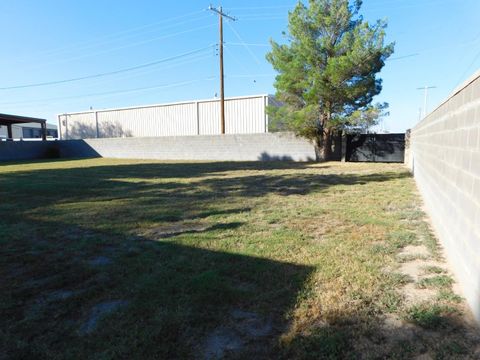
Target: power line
(264,7)
(269,45)
(116,92)
(244,43)
(265,18)
(125,91)
(403,57)
(249,44)
(251,76)
(106,73)
(188,60)
(239,63)
(472,63)
(76,45)
(477,56)
(129,45)
(122,38)
(259,15)
(372,6)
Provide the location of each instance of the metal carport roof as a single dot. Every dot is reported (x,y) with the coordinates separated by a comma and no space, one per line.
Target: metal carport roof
(9,120)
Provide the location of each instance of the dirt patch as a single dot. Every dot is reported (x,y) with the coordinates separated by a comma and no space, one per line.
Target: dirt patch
(100,261)
(251,325)
(414,251)
(392,322)
(413,295)
(416,269)
(49,299)
(244,329)
(221,342)
(41,282)
(99,311)
(245,286)
(60,295)
(174,229)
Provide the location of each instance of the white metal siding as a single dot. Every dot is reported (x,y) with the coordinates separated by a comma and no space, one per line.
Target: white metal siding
(209,118)
(78,126)
(153,121)
(243,115)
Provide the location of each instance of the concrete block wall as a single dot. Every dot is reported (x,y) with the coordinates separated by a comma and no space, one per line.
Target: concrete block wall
(444,156)
(248,147)
(27,150)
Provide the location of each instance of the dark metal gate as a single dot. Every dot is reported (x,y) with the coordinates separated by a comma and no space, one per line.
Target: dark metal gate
(376,148)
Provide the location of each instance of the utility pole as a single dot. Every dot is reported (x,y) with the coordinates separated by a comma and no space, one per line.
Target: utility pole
(425,100)
(221,15)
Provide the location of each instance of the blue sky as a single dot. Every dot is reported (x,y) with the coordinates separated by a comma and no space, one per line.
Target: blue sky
(437,44)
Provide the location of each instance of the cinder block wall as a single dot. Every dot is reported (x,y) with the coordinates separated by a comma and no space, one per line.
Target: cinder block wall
(444,156)
(248,147)
(27,150)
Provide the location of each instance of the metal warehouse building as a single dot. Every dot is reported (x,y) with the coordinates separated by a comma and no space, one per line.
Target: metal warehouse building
(243,115)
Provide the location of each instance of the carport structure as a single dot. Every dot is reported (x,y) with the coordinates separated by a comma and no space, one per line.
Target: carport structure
(9,120)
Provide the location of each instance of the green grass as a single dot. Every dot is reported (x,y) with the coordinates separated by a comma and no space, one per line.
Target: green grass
(433,270)
(437,281)
(186,246)
(429,315)
(448,296)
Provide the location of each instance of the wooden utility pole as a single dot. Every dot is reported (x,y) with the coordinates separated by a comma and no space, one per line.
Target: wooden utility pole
(221,15)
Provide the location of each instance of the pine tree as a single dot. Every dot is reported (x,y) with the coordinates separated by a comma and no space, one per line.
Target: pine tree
(327,70)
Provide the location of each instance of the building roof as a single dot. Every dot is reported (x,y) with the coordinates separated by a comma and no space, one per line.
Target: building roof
(6,119)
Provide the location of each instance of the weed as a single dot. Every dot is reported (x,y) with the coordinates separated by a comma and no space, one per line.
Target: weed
(433,270)
(448,295)
(438,282)
(429,315)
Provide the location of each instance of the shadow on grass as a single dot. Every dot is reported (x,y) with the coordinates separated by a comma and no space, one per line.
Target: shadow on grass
(372,337)
(149,184)
(184,296)
(181,301)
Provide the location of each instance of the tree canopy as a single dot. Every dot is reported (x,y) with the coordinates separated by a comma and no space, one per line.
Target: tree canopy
(327,70)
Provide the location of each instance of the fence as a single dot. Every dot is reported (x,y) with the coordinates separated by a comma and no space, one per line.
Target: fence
(444,156)
(375,148)
(247,147)
(28,150)
(243,115)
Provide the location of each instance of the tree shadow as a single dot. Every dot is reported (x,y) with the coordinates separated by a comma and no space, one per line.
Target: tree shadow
(443,336)
(104,129)
(184,297)
(178,301)
(265,156)
(149,192)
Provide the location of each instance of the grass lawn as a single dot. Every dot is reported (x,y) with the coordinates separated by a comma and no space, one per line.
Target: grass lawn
(108,259)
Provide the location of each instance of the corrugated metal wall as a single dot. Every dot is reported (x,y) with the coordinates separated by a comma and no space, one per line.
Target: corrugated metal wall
(243,115)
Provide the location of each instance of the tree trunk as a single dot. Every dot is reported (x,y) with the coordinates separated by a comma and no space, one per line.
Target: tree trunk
(327,144)
(325,138)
